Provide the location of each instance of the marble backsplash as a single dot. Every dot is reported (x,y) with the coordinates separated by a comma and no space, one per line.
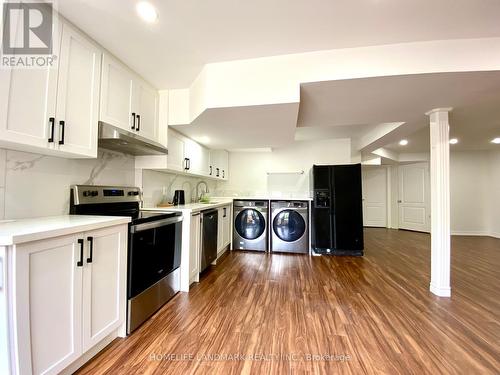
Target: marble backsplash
(159,186)
(33,185)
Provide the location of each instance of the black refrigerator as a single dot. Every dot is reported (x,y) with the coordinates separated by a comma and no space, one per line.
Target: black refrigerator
(337,210)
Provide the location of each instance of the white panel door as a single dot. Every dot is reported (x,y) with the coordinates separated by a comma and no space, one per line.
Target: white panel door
(116,94)
(103,283)
(78,94)
(28,105)
(48,289)
(146,108)
(414,197)
(176,154)
(374,197)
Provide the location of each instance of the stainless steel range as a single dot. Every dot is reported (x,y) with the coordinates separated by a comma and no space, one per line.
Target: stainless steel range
(154,246)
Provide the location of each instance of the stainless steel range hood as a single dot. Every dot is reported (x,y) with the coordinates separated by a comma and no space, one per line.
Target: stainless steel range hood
(113,138)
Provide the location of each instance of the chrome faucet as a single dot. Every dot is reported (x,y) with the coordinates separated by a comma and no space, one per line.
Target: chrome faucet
(198,195)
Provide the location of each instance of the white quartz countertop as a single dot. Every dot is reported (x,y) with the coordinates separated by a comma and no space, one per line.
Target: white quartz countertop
(194,207)
(25,230)
(266,198)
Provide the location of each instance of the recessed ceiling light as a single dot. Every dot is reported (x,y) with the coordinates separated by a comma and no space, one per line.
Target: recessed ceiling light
(453,141)
(403,142)
(147,11)
(496,141)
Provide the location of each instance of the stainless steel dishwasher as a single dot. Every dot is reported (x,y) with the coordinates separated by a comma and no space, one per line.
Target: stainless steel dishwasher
(209,228)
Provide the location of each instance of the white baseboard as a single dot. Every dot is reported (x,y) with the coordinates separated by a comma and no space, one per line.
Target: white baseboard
(440,291)
(468,233)
(475,233)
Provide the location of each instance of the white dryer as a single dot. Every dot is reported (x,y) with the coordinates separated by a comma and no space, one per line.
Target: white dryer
(290,226)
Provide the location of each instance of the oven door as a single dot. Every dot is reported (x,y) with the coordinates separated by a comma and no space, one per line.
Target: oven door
(154,252)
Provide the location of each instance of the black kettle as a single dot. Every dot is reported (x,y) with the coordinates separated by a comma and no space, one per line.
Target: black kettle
(178,197)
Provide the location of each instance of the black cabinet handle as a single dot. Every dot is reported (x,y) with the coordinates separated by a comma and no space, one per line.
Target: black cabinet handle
(223,173)
(91,245)
(80,262)
(188,164)
(133,121)
(224,212)
(210,170)
(52,121)
(61,123)
(217,172)
(138,123)
(185,164)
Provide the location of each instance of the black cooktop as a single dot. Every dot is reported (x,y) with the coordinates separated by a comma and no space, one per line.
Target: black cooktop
(147,216)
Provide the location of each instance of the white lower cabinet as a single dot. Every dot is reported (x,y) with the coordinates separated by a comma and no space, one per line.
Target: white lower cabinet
(224,228)
(194,247)
(69,294)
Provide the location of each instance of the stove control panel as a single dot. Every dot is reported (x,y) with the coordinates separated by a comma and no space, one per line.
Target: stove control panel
(85,194)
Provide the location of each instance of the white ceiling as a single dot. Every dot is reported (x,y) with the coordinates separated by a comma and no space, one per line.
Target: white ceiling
(470,138)
(475,97)
(352,108)
(312,133)
(257,126)
(192,33)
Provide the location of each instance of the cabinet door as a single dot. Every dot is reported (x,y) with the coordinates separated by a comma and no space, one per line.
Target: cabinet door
(116,94)
(146,108)
(194,248)
(224,164)
(28,101)
(199,157)
(175,158)
(48,316)
(104,283)
(220,226)
(226,225)
(78,94)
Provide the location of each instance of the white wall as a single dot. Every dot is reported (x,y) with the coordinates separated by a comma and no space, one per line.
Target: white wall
(248,170)
(493,203)
(469,192)
(33,185)
(474,193)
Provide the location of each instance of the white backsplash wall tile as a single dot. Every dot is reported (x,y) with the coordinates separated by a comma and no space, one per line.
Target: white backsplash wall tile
(38,185)
(154,185)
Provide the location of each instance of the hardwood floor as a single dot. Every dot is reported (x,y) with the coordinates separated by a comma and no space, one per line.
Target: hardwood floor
(376,311)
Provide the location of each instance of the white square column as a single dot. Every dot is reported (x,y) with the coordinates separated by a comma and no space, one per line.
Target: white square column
(440,202)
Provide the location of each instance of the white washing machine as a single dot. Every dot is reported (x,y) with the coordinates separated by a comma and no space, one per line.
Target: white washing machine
(290,226)
(250,225)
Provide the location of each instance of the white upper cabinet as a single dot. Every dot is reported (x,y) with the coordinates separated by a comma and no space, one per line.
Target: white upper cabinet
(128,102)
(77,94)
(145,106)
(116,94)
(175,158)
(28,101)
(54,110)
(198,157)
(219,164)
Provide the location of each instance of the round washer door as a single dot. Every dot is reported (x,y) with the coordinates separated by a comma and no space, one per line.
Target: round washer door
(289,225)
(250,224)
